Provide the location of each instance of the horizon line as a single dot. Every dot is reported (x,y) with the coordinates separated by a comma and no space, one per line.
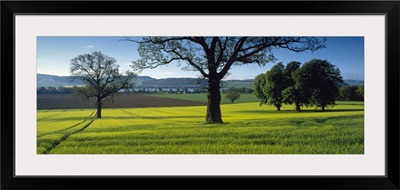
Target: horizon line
(176,77)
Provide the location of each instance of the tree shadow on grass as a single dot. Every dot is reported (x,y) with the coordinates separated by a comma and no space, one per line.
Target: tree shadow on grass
(302,111)
(76,118)
(332,110)
(152,117)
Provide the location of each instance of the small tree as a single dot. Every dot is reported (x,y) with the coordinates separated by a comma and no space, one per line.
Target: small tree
(232,96)
(102,78)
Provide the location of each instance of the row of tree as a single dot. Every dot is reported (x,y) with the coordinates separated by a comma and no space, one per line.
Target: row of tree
(315,83)
(54,90)
(238,90)
(351,93)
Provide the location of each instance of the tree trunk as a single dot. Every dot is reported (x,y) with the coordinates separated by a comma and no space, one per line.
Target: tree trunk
(214,98)
(99,108)
(323,108)
(297,107)
(278,108)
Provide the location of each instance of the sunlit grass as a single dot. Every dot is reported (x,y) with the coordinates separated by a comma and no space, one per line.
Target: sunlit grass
(248,129)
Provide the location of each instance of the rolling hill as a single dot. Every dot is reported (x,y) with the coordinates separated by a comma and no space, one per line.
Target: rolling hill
(46,80)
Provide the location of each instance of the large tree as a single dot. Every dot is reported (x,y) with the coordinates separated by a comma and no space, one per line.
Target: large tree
(320,82)
(258,88)
(214,56)
(278,86)
(101,75)
(275,83)
(293,93)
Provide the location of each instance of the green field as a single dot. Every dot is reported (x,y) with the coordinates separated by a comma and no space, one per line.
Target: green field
(248,129)
(202,97)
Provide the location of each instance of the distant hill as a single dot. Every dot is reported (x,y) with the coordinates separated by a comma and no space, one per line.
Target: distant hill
(46,80)
(352,82)
(149,82)
(55,81)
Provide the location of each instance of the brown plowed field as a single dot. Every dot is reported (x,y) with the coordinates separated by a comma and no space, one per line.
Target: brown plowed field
(62,101)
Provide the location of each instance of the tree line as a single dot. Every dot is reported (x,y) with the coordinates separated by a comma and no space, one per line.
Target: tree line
(238,90)
(54,90)
(315,83)
(351,93)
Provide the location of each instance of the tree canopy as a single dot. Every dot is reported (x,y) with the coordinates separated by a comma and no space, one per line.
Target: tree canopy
(213,57)
(293,94)
(275,83)
(315,83)
(101,75)
(321,80)
(232,96)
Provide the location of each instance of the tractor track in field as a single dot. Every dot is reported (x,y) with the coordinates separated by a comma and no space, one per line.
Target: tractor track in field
(65,137)
(61,130)
(130,113)
(66,129)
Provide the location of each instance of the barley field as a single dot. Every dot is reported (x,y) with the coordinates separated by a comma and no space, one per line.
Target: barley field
(248,129)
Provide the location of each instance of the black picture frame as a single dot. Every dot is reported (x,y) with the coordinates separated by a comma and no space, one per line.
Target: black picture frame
(10,8)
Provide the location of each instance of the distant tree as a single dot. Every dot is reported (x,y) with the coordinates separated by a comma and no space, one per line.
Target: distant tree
(101,75)
(61,90)
(349,93)
(360,92)
(249,90)
(42,90)
(160,90)
(51,90)
(232,96)
(54,90)
(320,82)
(214,56)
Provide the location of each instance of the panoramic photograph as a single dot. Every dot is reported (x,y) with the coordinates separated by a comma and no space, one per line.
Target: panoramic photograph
(200,95)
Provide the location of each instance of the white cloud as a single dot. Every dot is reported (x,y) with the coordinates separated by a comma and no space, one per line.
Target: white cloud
(49,61)
(88,46)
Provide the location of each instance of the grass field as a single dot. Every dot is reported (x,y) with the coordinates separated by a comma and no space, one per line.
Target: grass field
(248,129)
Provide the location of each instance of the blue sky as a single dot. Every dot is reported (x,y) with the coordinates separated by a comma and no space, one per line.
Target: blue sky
(54,55)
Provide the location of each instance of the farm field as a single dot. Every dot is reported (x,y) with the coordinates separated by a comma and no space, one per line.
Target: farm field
(248,129)
(245,97)
(67,101)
